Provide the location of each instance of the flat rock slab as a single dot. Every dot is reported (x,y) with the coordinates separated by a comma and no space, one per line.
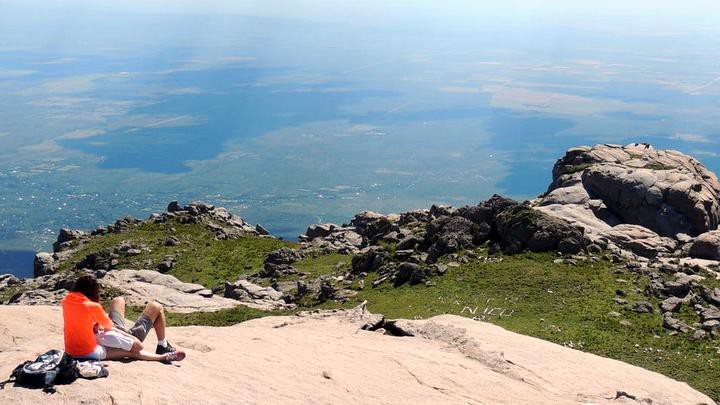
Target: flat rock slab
(325,359)
(142,286)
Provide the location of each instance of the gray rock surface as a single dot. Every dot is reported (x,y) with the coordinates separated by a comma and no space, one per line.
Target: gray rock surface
(638,240)
(266,298)
(43,264)
(604,186)
(141,286)
(706,246)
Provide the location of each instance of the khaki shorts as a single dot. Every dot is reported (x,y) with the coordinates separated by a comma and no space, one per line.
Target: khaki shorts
(140,329)
(114,338)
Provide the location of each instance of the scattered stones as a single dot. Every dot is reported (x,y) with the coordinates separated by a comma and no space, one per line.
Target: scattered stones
(699,335)
(245,291)
(166,265)
(38,297)
(410,273)
(671,304)
(709,313)
(675,324)
(100,260)
(261,230)
(171,241)
(711,296)
(641,307)
(712,325)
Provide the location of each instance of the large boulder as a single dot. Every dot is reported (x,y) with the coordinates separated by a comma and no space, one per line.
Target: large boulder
(320,230)
(279,263)
(249,293)
(665,191)
(43,264)
(706,246)
(522,227)
(65,238)
(638,240)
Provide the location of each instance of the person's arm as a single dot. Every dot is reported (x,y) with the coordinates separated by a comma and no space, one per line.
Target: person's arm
(100,316)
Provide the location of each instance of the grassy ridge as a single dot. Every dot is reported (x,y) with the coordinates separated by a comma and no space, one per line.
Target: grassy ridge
(199,257)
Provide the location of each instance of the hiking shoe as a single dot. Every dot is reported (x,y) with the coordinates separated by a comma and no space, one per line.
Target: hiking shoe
(167,349)
(177,355)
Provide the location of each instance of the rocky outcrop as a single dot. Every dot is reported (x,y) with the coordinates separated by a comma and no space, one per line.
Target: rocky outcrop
(8,280)
(521,227)
(65,237)
(327,357)
(43,264)
(141,286)
(602,187)
(403,247)
(331,238)
(219,220)
(265,298)
(279,263)
(664,190)
(138,287)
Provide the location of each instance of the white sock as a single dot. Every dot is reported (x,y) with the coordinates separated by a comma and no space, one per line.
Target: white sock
(162,343)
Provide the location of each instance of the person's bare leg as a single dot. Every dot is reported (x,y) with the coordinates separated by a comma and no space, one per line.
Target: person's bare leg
(119,354)
(118,304)
(156,313)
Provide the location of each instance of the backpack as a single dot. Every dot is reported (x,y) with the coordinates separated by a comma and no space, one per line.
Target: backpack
(51,368)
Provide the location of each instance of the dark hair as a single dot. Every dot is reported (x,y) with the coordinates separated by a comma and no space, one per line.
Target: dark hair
(88,286)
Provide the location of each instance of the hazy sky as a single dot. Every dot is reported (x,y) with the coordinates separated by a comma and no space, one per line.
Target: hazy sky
(681,13)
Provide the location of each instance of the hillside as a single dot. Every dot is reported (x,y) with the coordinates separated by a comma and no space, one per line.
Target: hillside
(619,258)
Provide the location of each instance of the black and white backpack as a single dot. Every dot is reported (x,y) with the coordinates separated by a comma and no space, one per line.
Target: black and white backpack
(51,368)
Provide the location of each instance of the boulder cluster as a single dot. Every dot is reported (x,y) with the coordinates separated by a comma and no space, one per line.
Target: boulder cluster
(405,248)
(677,286)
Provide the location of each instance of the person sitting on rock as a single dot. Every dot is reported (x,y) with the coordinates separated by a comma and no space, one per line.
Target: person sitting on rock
(92,334)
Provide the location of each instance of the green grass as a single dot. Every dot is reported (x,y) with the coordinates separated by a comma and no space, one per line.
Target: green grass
(223,317)
(324,264)
(657,166)
(199,257)
(8,293)
(577,168)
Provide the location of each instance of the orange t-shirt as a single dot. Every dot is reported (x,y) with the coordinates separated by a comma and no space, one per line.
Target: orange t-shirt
(80,316)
